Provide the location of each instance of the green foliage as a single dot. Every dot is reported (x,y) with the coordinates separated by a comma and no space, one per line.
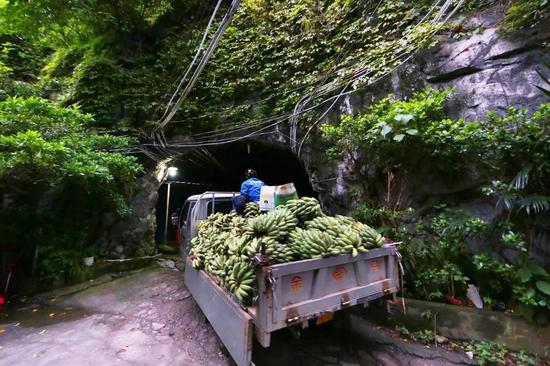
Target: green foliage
(484,352)
(392,128)
(21,58)
(393,131)
(385,220)
(515,200)
(61,23)
(60,265)
(533,287)
(11,88)
(57,176)
(439,261)
(527,13)
(488,353)
(271,54)
(114,58)
(43,144)
(435,252)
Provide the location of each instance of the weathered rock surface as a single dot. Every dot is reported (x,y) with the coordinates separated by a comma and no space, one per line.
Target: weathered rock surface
(133,235)
(487,71)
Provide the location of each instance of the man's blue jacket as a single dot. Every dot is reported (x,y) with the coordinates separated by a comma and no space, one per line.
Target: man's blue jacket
(251,189)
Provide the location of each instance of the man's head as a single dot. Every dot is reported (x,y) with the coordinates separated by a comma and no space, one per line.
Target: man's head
(250,173)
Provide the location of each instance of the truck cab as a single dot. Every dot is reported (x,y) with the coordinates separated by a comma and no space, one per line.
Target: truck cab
(196,209)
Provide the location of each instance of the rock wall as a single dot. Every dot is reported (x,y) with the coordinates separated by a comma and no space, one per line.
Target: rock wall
(487,70)
(133,235)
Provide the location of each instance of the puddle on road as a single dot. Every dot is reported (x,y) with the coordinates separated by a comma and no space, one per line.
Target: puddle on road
(21,315)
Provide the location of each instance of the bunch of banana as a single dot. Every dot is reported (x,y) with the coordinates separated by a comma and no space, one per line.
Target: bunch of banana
(216,220)
(328,224)
(277,252)
(238,247)
(238,225)
(371,238)
(311,243)
(197,253)
(277,225)
(282,253)
(350,242)
(305,208)
(241,282)
(251,210)
(255,246)
(215,265)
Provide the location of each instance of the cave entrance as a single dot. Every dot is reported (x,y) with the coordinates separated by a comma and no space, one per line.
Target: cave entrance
(223,169)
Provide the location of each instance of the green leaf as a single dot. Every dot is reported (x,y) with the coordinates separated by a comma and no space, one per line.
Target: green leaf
(404,118)
(521,179)
(544,287)
(524,275)
(399,137)
(412,131)
(385,130)
(536,269)
(534,203)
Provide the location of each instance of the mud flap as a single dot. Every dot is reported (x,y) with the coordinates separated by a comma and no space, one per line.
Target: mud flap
(232,324)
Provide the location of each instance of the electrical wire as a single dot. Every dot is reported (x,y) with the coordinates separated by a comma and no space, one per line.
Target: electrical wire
(362,73)
(158,131)
(213,139)
(199,50)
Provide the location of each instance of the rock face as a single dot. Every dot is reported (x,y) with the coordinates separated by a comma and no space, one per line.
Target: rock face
(487,71)
(133,235)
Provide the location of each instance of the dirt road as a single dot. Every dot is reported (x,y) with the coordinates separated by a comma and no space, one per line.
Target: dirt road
(149,318)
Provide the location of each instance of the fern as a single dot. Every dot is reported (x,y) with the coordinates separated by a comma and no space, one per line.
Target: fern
(534,204)
(521,180)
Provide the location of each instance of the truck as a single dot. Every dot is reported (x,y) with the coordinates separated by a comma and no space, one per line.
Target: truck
(289,294)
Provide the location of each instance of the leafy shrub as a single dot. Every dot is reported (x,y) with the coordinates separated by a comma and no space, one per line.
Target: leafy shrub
(57,179)
(488,353)
(60,265)
(436,251)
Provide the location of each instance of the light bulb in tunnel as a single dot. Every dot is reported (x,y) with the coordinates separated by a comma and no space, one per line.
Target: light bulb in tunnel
(172,171)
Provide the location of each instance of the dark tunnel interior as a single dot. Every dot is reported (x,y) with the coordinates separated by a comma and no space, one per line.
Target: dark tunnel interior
(223,169)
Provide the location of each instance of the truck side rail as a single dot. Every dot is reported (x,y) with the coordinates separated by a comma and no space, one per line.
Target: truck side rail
(230,321)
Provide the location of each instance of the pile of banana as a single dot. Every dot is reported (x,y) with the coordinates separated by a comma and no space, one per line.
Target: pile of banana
(251,210)
(226,244)
(305,208)
(277,225)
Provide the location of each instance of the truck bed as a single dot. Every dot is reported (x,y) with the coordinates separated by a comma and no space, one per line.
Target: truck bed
(291,293)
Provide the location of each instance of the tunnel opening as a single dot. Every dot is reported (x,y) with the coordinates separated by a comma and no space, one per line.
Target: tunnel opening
(223,169)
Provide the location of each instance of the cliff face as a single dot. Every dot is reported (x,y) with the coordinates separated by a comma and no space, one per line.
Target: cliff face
(487,70)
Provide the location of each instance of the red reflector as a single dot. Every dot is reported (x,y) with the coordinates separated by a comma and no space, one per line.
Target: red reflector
(2,300)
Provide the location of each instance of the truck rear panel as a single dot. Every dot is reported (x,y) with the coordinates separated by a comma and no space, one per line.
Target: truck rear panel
(297,291)
(292,293)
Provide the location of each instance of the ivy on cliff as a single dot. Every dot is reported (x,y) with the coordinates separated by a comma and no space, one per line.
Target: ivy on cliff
(120,65)
(275,52)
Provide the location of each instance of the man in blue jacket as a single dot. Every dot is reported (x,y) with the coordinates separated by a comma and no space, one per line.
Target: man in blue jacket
(250,191)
